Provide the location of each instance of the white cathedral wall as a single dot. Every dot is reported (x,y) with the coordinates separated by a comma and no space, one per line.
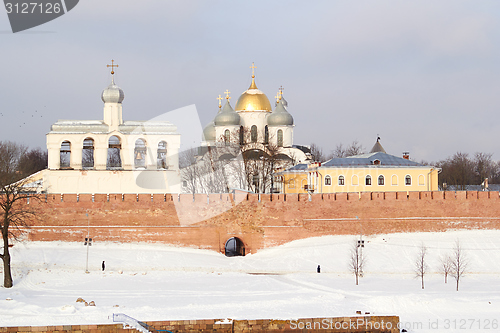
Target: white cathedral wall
(219,132)
(107,181)
(287,135)
(257,118)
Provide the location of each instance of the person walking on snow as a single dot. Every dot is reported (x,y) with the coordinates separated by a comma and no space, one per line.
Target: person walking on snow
(103,266)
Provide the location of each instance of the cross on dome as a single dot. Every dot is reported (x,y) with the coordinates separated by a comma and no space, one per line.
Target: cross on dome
(220,99)
(253,67)
(112,66)
(227,92)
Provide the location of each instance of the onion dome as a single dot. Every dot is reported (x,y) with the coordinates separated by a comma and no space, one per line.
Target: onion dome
(209,132)
(280,116)
(377,147)
(113,93)
(253,100)
(227,116)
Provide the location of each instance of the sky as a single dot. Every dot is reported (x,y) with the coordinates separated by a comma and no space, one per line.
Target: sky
(422,75)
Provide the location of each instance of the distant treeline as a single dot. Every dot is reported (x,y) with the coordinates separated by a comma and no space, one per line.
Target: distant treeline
(17,161)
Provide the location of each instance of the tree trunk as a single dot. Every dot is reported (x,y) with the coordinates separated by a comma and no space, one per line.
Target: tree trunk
(422,282)
(457,284)
(7,276)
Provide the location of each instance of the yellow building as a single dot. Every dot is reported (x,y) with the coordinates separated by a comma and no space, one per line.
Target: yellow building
(376,171)
(292,180)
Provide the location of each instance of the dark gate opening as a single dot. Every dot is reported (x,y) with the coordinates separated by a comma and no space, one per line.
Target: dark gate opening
(234,247)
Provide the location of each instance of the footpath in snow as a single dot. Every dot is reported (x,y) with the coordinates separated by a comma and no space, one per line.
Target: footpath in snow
(153,282)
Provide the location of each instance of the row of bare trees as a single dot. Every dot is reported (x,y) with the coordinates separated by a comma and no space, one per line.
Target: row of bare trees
(340,151)
(229,164)
(454,264)
(461,170)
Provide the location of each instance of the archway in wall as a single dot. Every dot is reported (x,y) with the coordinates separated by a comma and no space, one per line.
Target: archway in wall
(234,247)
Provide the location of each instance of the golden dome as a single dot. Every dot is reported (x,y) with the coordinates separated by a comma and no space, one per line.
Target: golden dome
(253,100)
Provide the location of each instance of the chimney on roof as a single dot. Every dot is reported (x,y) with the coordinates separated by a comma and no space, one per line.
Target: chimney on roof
(406,155)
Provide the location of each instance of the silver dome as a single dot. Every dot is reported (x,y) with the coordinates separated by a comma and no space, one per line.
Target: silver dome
(227,116)
(280,116)
(113,93)
(209,132)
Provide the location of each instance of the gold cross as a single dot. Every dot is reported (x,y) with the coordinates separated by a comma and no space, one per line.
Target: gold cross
(281,91)
(278,97)
(220,99)
(253,67)
(227,92)
(112,66)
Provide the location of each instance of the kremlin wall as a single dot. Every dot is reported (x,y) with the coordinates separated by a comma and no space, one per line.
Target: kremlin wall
(259,221)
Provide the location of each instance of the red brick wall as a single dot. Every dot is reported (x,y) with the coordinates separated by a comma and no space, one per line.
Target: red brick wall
(259,221)
(360,324)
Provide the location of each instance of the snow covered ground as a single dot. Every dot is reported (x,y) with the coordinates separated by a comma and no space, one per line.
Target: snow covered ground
(157,282)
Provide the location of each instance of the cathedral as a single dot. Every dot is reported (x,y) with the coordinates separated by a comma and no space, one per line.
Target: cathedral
(255,138)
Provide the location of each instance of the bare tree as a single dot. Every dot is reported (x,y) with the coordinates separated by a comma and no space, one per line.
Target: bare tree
(420,264)
(484,167)
(355,148)
(236,159)
(317,153)
(190,172)
(13,195)
(446,267)
(357,260)
(459,262)
(457,171)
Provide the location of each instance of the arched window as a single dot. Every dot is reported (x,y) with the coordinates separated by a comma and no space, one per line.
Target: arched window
(354,180)
(140,153)
(328,180)
(408,180)
(114,160)
(381,180)
(280,138)
(421,180)
(266,135)
(242,133)
(65,155)
(161,158)
(88,154)
(227,137)
(368,180)
(394,180)
(341,180)
(253,133)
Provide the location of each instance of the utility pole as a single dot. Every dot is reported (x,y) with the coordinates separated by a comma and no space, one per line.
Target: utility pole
(361,243)
(88,242)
